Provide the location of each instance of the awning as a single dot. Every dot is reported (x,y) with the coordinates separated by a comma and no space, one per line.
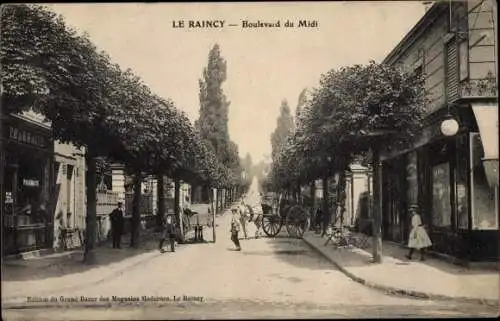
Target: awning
(487,122)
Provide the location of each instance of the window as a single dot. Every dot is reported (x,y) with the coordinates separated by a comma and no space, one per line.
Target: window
(461,174)
(441,205)
(484,212)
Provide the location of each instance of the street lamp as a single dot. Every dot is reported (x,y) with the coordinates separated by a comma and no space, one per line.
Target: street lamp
(449,126)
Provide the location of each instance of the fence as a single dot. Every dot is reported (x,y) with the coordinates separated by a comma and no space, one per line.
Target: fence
(106,203)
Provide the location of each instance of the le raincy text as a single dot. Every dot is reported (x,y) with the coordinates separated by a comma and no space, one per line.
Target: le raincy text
(219,24)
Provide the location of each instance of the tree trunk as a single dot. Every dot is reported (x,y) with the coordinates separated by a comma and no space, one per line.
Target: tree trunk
(313,194)
(341,184)
(135,221)
(161,199)
(377,205)
(219,201)
(91,218)
(212,211)
(333,193)
(177,209)
(326,215)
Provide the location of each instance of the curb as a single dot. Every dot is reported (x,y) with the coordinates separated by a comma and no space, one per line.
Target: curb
(108,277)
(402,292)
(28,255)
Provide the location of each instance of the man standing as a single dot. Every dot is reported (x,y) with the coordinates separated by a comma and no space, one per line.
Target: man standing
(117,225)
(168,232)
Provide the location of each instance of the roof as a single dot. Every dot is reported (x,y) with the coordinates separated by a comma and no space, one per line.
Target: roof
(427,19)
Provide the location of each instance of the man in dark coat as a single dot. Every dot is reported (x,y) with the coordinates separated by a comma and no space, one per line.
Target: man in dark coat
(169,225)
(117,225)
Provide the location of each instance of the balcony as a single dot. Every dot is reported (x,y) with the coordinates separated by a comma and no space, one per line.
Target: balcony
(479,88)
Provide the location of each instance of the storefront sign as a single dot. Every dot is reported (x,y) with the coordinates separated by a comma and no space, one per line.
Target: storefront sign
(31,182)
(27,137)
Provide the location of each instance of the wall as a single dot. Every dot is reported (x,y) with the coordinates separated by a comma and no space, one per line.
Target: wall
(428,51)
(69,178)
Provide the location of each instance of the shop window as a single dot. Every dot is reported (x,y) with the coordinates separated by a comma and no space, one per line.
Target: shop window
(441,207)
(484,213)
(461,173)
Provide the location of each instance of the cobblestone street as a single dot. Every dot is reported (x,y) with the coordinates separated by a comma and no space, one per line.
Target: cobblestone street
(270,278)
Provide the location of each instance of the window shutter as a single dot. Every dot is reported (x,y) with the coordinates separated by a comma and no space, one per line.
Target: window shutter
(452,71)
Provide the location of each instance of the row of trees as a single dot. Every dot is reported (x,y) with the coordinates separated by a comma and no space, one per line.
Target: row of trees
(355,112)
(94,104)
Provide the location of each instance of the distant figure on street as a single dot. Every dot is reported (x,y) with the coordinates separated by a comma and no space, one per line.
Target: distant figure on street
(243,217)
(418,238)
(116,218)
(318,218)
(256,217)
(168,232)
(235,227)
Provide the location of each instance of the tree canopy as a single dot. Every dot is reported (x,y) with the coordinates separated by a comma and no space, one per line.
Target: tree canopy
(353,108)
(49,67)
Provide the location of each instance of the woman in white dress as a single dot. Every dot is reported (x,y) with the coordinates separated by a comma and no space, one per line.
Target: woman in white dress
(418,239)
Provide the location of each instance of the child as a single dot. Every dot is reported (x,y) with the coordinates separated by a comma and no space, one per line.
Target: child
(235,227)
(418,239)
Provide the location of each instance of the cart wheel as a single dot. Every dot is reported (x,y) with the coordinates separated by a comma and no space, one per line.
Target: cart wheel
(271,225)
(296,221)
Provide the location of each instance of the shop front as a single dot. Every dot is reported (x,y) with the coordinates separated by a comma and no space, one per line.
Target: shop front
(454,182)
(26,160)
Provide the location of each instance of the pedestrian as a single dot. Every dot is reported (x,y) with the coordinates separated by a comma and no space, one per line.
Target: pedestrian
(256,217)
(168,232)
(243,218)
(418,238)
(116,218)
(235,227)
(318,218)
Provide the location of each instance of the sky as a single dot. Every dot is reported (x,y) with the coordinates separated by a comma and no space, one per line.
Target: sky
(264,65)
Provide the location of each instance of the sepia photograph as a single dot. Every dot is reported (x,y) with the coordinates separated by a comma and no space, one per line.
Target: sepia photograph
(249,160)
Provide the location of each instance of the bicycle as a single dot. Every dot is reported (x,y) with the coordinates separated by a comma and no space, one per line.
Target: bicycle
(342,237)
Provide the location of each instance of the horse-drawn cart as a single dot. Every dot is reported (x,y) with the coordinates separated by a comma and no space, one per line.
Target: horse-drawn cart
(288,213)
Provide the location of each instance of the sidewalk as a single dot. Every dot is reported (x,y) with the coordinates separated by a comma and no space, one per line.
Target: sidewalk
(47,274)
(433,278)
(65,272)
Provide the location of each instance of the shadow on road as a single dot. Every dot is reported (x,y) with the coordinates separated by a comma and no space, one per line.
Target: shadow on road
(60,264)
(290,250)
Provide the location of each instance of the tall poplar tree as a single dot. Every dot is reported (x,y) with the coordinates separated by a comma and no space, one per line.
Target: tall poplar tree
(302,101)
(284,127)
(212,123)
(214,106)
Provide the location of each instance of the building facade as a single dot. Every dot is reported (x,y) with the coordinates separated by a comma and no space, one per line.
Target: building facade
(451,175)
(69,195)
(42,187)
(358,188)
